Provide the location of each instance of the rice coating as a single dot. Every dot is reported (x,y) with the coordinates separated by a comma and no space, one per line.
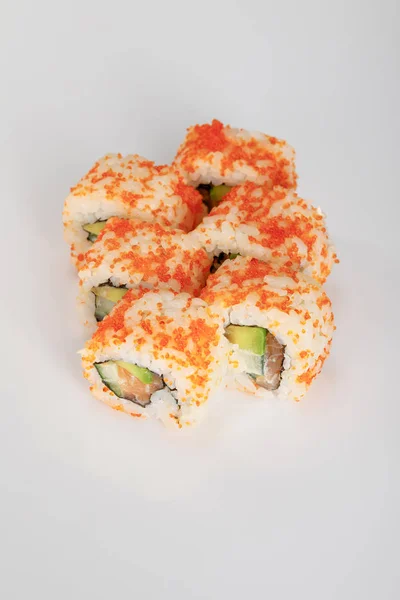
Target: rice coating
(216,153)
(130,187)
(271,225)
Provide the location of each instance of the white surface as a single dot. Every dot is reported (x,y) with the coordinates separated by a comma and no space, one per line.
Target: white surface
(280,501)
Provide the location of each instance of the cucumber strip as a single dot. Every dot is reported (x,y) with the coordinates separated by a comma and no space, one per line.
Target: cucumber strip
(106,297)
(252,364)
(108,372)
(103,307)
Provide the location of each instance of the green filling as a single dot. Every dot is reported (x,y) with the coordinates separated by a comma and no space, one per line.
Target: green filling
(253,364)
(252,343)
(93,229)
(106,297)
(129,381)
(251,339)
(213,194)
(259,353)
(144,375)
(108,372)
(103,307)
(217,193)
(114,294)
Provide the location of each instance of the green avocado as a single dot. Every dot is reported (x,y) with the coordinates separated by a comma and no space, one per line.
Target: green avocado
(93,229)
(247,338)
(144,375)
(114,294)
(252,345)
(217,193)
(108,372)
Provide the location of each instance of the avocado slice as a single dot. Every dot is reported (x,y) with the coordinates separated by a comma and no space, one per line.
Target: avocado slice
(217,192)
(93,229)
(108,371)
(247,338)
(114,294)
(144,375)
(106,297)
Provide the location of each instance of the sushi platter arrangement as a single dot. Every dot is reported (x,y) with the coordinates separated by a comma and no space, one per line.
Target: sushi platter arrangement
(199,275)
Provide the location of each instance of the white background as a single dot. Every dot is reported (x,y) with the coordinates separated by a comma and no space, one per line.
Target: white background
(275,501)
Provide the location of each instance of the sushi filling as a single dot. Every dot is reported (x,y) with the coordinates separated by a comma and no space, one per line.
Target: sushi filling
(93,229)
(213,194)
(260,354)
(220,259)
(106,297)
(129,381)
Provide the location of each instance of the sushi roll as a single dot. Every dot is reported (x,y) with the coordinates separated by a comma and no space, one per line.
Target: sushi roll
(127,186)
(214,157)
(279,325)
(271,225)
(157,354)
(129,253)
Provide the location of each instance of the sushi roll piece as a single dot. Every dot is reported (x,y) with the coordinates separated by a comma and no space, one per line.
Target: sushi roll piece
(127,186)
(274,226)
(130,253)
(157,354)
(279,325)
(214,157)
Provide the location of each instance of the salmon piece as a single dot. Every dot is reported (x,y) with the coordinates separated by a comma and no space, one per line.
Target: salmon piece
(274,355)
